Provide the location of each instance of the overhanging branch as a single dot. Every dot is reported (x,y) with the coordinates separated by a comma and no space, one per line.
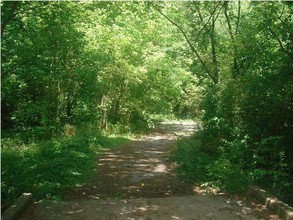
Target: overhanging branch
(280,42)
(193,49)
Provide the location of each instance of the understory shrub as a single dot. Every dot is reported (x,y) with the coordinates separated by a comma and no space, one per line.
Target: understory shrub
(247,136)
(46,168)
(196,165)
(227,176)
(192,161)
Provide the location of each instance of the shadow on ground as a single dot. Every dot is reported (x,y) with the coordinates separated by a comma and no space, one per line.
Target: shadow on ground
(137,181)
(137,169)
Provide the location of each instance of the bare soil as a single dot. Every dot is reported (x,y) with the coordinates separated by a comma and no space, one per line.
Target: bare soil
(137,181)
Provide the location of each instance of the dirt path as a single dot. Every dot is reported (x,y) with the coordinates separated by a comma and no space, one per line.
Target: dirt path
(137,169)
(137,181)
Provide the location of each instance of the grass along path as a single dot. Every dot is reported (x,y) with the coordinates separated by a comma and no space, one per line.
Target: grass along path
(134,180)
(140,168)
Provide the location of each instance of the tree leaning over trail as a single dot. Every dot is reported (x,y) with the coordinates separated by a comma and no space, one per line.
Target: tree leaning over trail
(256,40)
(115,66)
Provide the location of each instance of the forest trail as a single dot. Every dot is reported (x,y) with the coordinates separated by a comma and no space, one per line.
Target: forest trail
(137,181)
(137,169)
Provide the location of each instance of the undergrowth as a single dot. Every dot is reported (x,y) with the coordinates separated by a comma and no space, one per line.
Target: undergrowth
(45,168)
(232,169)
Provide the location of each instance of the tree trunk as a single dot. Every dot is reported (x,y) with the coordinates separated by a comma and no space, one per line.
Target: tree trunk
(214,54)
(235,66)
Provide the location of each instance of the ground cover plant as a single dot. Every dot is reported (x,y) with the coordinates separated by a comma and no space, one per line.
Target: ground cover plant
(48,167)
(75,73)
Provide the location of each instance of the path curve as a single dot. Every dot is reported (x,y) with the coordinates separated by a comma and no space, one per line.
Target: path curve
(137,181)
(138,169)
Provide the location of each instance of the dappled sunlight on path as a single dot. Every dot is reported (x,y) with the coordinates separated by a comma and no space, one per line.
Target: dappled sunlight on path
(138,169)
(137,181)
(188,207)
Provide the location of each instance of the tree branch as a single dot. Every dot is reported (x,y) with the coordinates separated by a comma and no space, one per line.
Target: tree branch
(280,42)
(201,18)
(238,18)
(235,69)
(214,54)
(193,49)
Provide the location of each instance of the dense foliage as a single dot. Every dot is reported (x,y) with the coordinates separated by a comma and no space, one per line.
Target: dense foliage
(74,63)
(46,168)
(247,113)
(71,67)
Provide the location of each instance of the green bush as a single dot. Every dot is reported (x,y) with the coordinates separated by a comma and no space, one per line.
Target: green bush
(191,160)
(227,176)
(195,165)
(247,129)
(245,136)
(45,168)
